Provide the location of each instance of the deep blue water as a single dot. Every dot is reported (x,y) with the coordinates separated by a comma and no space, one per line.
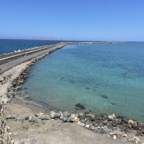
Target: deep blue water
(105,78)
(7,46)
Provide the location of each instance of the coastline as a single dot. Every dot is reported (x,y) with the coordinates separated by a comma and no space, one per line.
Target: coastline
(18,107)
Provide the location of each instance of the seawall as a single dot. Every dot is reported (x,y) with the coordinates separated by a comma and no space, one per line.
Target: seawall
(10,60)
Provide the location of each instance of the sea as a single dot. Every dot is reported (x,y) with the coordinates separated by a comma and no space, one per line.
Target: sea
(103,78)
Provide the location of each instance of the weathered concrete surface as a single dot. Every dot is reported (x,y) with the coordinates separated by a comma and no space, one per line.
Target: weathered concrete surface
(6,66)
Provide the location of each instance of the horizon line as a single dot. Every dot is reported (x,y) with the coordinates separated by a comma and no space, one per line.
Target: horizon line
(71,40)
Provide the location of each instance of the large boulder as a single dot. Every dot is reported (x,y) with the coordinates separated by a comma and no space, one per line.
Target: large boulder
(81,115)
(91,116)
(34,119)
(74,118)
(43,116)
(111,117)
(26,97)
(66,114)
(104,130)
(131,122)
(58,115)
(52,114)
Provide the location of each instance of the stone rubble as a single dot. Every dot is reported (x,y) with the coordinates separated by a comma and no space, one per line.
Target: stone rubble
(84,120)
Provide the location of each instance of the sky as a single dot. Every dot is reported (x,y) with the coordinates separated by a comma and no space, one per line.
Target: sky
(96,20)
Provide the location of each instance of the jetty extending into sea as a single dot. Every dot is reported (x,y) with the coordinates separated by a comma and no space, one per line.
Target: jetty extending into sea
(10,60)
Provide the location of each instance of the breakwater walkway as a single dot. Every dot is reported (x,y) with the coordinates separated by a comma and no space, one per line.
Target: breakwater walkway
(10,60)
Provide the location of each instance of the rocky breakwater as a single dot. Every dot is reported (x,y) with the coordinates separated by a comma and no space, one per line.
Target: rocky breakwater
(10,81)
(118,128)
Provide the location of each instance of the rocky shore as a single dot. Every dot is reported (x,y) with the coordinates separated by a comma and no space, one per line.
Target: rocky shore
(113,127)
(22,119)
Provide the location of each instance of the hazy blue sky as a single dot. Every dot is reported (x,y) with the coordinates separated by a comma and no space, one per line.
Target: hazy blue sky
(73,19)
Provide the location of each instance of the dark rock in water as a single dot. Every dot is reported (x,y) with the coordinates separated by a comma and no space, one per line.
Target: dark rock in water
(72,81)
(25,88)
(120,117)
(77,109)
(120,65)
(79,106)
(104,96)
(130,74)
(96,86)
(113,103)
(87,88)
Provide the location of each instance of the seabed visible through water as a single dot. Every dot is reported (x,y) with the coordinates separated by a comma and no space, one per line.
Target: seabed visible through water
(100,78)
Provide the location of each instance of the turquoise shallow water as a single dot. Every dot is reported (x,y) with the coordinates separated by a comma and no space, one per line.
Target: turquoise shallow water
(105,78)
